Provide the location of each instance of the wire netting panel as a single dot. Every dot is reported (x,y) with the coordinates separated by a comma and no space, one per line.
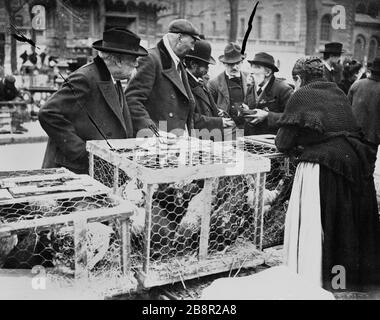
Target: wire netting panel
(278,187)
(76,237)
(189,227)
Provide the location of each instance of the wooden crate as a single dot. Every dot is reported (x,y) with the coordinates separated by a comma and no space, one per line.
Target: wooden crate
(70,225)
(200,205)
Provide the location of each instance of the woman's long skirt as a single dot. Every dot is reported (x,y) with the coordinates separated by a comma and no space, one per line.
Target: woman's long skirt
(332,230)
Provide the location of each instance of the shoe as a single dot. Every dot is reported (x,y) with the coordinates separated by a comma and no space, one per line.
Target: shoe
(22,129)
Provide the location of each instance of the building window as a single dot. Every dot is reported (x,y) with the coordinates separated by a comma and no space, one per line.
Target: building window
(214,28)
(277,32)
(373,9)
(373,49)
(326,28)
(259,27)
(228,26)
(359,48)
(19,21)
(360,8)
(202,28)
(242,27)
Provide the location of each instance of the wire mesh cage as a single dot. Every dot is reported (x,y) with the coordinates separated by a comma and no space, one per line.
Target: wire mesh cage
(278,185)
(68,224)
(199,205)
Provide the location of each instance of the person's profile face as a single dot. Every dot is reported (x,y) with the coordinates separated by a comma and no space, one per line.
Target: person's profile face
(201,69)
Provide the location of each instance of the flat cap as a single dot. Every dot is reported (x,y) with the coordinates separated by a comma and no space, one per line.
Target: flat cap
(184,26)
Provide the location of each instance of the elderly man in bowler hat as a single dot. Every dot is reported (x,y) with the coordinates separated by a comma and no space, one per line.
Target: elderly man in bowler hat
(229,88)
(93,93)
(332,70)
(206,112)
(159,94)
(364,96)
(267,98)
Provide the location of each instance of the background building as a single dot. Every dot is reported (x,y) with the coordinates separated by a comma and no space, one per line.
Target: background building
(287,29)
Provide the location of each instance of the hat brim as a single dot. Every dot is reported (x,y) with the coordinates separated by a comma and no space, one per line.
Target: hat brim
(264,64)
(98,45)
(210,61)
(232,60)
(336,52)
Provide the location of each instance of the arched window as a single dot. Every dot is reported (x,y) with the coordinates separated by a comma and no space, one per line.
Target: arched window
(326,28)
(242,27)
(359,48)
(214,28)
(360,8)
(19,20)
(228,27)
(373,49)
(259,27)
(202,28)
(373,9)
(277,23)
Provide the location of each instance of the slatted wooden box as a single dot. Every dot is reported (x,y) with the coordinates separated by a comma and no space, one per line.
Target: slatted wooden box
(200,206)
(278,186)
(69,225)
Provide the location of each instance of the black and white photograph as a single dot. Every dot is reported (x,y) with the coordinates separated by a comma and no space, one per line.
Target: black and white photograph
(209,151)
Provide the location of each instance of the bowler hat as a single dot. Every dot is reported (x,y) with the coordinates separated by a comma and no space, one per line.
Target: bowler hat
(232,54)
(375,66)
(333,47)
(120,40)
(202,51)
(264,59)
(184,26)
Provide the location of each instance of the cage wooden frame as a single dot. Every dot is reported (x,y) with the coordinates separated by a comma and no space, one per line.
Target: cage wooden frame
(77,223)
(181,270)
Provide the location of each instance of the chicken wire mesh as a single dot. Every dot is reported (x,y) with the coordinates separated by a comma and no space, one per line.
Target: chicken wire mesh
(278,185)
(192,218)
(68,224)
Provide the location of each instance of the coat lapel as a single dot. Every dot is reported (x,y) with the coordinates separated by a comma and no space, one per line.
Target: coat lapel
(173,76)
(108,90)
(222,86)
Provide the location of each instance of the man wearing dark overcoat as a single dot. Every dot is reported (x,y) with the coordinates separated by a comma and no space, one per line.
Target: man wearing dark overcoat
(91,97)
(206,116)
(229,88)
(266,98)
(332,69)
(159,94)
(364,96)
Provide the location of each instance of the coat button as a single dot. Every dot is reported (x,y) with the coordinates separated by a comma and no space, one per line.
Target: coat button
(171,114)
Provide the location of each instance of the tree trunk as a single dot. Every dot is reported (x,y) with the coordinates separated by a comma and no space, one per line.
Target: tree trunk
(234,10)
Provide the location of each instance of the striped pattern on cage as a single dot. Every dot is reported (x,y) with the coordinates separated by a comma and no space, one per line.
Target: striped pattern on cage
(278,186)
(199,204)
(67,223)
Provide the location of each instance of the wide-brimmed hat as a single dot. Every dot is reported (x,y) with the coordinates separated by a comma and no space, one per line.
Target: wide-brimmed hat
(333,47)
(202,51)
(185,27)
(120,40)
(264,59)
(232,54)
(375,65)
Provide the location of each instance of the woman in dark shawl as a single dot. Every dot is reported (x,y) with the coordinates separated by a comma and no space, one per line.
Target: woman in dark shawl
(332,222)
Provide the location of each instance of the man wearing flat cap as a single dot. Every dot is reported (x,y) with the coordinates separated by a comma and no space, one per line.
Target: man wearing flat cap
(267,97)
(206,114)
(333,71)
(91,103)
(159,94)
(229,88)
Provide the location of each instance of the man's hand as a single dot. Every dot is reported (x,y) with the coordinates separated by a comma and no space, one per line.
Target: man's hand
(228,122)
(257,116)
(167,137)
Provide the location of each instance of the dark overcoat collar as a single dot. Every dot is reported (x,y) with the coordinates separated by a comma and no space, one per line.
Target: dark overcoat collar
(169,70)
(108,90)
